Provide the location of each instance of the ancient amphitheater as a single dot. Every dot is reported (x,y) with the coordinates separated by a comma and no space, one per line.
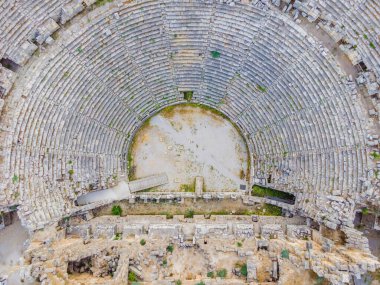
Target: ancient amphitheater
(189,142)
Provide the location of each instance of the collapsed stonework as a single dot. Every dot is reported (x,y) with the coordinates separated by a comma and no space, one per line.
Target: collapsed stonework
(268,248)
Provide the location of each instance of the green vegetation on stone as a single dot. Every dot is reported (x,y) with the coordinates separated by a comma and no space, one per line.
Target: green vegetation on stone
(222,273)
(170,248)
(261,88)
(99,3)
(142,242)
(132,276)
(243,270)
(15,179)
(375,155)
(285,253)
(215,54)
(117,236)
(116,210)
(188,95)
(189,213)
(268,210)
(260,191)
(187,187)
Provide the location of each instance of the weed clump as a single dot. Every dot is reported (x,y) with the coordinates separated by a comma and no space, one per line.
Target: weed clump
(116,210)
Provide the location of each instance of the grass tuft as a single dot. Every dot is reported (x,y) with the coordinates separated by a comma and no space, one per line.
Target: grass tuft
(116,210)
(215,54)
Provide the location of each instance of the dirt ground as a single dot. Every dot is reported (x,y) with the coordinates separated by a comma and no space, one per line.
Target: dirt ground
(189,141)
(12,240)
(201,206)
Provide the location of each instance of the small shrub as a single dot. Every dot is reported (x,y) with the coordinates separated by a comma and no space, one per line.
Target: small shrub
(71,172)
(210,274)
(170,248)
(200,283)
(79,49)
(164,263)
(143,242)
(187,187)
(215,54)
(178,282)
(320,280)
(365,36)
(189,214)
(188,95)
(285,253)
(15,179)
(132,276)
(239,244)
(375,155)
(243,270)
(365,211)
(261,88)
(372,45)
(117,236)
(222,273)
(116,210)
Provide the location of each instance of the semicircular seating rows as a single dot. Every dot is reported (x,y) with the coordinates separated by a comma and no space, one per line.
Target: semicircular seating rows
(79,102)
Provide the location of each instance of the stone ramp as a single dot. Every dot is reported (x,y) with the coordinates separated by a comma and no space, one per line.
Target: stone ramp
(148,182)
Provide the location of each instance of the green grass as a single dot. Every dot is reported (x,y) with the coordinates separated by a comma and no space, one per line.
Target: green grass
(132,276)
(116,210)
(285,253)
(261,88)
(187,187)
(189,213)
(117,236)
(99,3)
(188,95)
(243,270)
(222,273)
(260,191)
(375,155)
(215,54)
(15,179)
(170,248)
(142,242)
(365,211)
(268,210)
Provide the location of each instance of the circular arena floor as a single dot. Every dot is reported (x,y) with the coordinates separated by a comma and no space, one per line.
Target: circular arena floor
(186,141)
